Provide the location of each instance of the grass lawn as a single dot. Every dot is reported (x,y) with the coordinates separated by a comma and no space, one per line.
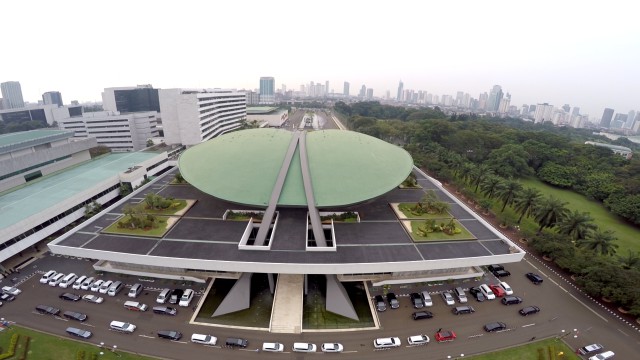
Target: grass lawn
(176,206)
(48,347)
(440,236)
(627,234)
(155,232)
(531,351)
(405,209)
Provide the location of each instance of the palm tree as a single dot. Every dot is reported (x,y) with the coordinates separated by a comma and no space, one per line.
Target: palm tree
(508,192)
(630,261)
(601,242)
(480,173)
(577,225)
(490,185)
(526,201)
(465,171)
(550,212)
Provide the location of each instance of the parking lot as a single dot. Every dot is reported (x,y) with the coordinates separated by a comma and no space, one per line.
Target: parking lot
(564,313)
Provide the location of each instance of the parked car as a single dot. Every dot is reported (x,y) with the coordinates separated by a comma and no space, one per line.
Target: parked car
(122,326)
(463,310)
(507,289)
(176,294)
(135,290)
(56,279)
(416,300)
(419,315)
(105,287)
(69,297)
(135,306)
(459,292)
(85,334)
(487,292)
(445,335)
(498,270)
(93,298)
(495,326)
(418,340)
(233,342)
(164,310)
(95,286)
(380,304)
(7,297)
(393,300)
(426,298)
(204,339)
(75,315)
(303,347)
(448,299)
(78,283)
(187,296)
(388,342)
(535,278)
(529,310)
(475,291)
(510,300)
(86,284)
(48,276)
(603,356)
(497,290)
(11,290)
(170,334)
(47,310)
(590,349)
(272,347)
(332,347)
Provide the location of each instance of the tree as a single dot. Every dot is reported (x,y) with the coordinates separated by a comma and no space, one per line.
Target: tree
(149,143)
(465,172)
(629,261)
(550,212)
(601,242)
(508,192)
(526,202)
(491,185)
(577,225)
(509,160)
(558,175)
(481,172)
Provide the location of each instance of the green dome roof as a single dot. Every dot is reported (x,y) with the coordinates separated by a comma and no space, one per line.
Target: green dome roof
(345,167)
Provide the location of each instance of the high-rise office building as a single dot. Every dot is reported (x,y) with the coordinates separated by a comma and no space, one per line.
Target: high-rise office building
(630,118)
(345,91)
(12,94)
(544,112)
(400,91)
(566,108)
(267,90)
(607,115)
(495,96)
(369,93)
(52,97)
(363,91)
(326,87)
(131,99)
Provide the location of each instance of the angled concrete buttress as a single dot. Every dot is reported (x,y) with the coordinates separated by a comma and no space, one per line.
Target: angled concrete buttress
(238,298)
(338,301)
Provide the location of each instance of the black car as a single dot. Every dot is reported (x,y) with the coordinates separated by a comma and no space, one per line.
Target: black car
(495,326)
(69,297)
(475,291)
(7,297)
(416,300)
(243,343)
(510,300)
(176,294)
(170,334)
(165,310)
(380,304)
(535,278)
(393,300)
(529,310)
(74,315)
(419,315)
(498,270)
(48,310)
(79,332)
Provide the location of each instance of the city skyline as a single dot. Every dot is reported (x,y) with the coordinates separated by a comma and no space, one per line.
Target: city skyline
(574,53)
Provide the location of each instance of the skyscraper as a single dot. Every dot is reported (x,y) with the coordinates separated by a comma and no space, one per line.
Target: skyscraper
(326,87)
(267,90)
(494,98)
(400,91)
(363,91)
(630,119)
(369,93)
(543,113)
(12,94)
(52,97)
(345,92)
(607,115)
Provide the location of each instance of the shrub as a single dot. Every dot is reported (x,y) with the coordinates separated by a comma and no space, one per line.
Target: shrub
(12,347)
(80,355)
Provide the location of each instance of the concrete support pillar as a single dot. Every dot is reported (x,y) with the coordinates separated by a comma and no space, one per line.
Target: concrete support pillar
(306,284)
(272,287)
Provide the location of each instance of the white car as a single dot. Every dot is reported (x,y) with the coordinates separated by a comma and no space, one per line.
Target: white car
(47,276)
(272,347)
(105,287)
(96,285)
(448,298)
(389,342)
(78,283)
(603,356)
(186,298)
(418,340)
(93,299)
(11,290)
(487,292)
(332,347)
(507,289)
(86,284)
(204,339)
(304,347)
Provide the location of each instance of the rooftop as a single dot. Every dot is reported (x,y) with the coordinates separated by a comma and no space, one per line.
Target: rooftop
(45,192)
(40,135)
(260,109)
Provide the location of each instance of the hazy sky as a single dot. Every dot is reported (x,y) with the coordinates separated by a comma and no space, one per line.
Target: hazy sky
(586,54)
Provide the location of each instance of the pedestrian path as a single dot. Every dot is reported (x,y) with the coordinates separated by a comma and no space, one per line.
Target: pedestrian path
(286,315)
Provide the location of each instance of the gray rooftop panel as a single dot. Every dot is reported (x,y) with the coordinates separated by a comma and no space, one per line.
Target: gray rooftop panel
(452,250)
(371,233)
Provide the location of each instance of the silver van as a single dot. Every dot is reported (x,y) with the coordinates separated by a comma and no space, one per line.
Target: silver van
(163,296)
(459,292)
(115,288)
(135,290)
(426,298)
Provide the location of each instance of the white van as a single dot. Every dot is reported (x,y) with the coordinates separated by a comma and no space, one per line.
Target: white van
(56,279)
(68,280)
(185,300)
(47,277)
(164,296)
(86,284)
(122,326)
(488,293)
(105,287)
(115,288)
(135,306)
(135,290)
(78,282)
(603,356)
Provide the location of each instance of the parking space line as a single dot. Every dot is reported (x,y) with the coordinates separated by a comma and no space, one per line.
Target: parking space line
(351,351)
(528,325)
(180,342)
(147,336)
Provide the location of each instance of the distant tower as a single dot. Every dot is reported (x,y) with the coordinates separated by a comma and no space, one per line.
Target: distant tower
(12,94)
(630,119)
(267,90)
(369,93)
(494,98)
(363,91)
(400,91)
(345,92)
(607,115)
(326,87)
(52,97)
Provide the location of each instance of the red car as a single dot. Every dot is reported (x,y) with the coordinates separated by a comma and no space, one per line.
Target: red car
(497,289)
(445,335)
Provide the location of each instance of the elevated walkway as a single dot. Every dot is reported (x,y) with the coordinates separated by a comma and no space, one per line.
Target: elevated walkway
(286,315)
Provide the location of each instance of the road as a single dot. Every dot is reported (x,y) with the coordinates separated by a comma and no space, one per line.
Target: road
(324,120)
